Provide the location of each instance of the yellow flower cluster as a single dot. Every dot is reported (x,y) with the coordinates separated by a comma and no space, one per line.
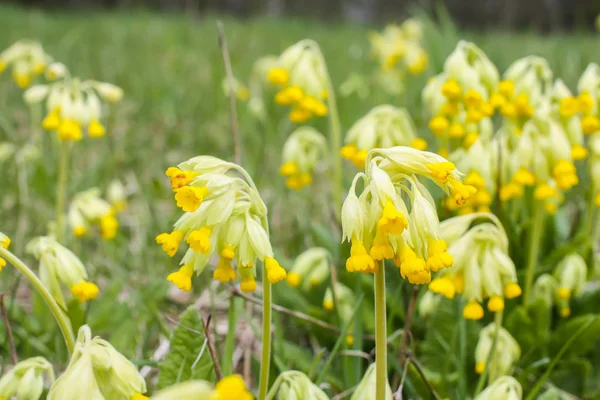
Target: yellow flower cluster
(383,127)
(400,47)
(72,104)
(301,153)
(482,267)
(88,209)
(223,214)
(27,59)
(378,222)
(301,75)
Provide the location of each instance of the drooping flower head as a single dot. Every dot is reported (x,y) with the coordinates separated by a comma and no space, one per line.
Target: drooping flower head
(59,265)
(400,48)
(302,151)
(459,99)
(88,209)
(301,75)
(26,379)
(310,268)
(27,59)
(482,268)
(381,225)
(223,214)
(503,388)
(296,385)
(383,127)
(368,387)
(73,104)
(97,371)
(571,275)
(506,352)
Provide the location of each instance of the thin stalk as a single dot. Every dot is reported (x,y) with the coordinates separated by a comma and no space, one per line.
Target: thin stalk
(380,334)
(335,142)
(61,189)
(265,363)
(227,366)
(61,318)
(534,247)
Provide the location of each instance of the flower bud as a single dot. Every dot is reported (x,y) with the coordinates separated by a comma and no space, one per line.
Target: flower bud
(296,385)
(26,379)
(503,388)
(506,353)
(367,387)
(109,92)
(35,94)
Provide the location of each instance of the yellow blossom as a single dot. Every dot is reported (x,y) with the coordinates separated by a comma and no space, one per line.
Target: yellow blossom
(495,303)
(568,107)
(275,272)
(451,90)
(248,284)
(439,125)
(524,177)
(170,242)
(224,272)
(182,278)
(359,260)
(545,191)
(473,310)
(85,291)
(189,198)
(590,124)
(512,290)
(96,129)
(278,76)
(392,221)
(180,178)
(231,388)
(578,152)
(199,240)
(419,144)
(443,286)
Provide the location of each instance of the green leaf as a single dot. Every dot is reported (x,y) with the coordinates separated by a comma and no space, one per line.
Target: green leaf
(187,341)
(584,343)
(521,326)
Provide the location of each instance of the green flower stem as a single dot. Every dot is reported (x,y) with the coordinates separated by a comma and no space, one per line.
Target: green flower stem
(61,318)
(61,189)
(380,333)
(491,357)
(534,247)
(265,363)
(335,139)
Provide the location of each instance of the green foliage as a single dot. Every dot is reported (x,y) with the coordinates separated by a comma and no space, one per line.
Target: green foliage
(183,362)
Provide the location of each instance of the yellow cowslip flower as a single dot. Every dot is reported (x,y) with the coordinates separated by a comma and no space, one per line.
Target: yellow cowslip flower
(378,223)
(384,126)
(26,379)
(301,73)
(73,105)
(27,60)
(224,214)
(88,209)
(482,267)
(565,175)
(302,152)
(578,152)
(231,388)
(506,351)
(96,370)
(59,265)
(571,276)
(4,242)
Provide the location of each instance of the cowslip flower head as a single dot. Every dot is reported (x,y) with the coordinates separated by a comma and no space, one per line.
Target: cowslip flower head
(5,243)
(588,89)
(482,267)
(571,275)
(311,268)
(301,75)
(26,379)
(97,371)
(506,353)
(223,214)
(73,105)
(296,385)
(59,265)
(459,99)
(27,60)
(88,209)
(378,222)
(384,126)
(399,48)
(367,387)
(503,388)
(302,152)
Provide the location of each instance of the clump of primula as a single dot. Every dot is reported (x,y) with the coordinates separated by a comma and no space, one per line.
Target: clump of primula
(301,75)
(523,92)
(73,104)
(366,389)
(88,209)
(229,388)
(506,351)
(383,127)
(295,385)
(303,150)
(97,371)
(571,275)
(346,301)
(503,388)
(459,99)
(26,379)
(223,214)
(27,60)
(482,266)
(310,268)
(400,48)
(379,223)
(59,265)
(5,243)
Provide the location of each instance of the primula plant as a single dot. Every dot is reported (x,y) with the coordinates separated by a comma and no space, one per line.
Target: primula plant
(371,216)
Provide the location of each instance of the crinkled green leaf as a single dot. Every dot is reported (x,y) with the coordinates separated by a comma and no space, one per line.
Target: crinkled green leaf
(187,341)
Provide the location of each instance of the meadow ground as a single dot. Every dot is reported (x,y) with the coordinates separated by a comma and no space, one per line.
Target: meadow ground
(171,70)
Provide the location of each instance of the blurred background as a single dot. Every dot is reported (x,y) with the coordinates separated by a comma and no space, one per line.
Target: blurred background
(547,15)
